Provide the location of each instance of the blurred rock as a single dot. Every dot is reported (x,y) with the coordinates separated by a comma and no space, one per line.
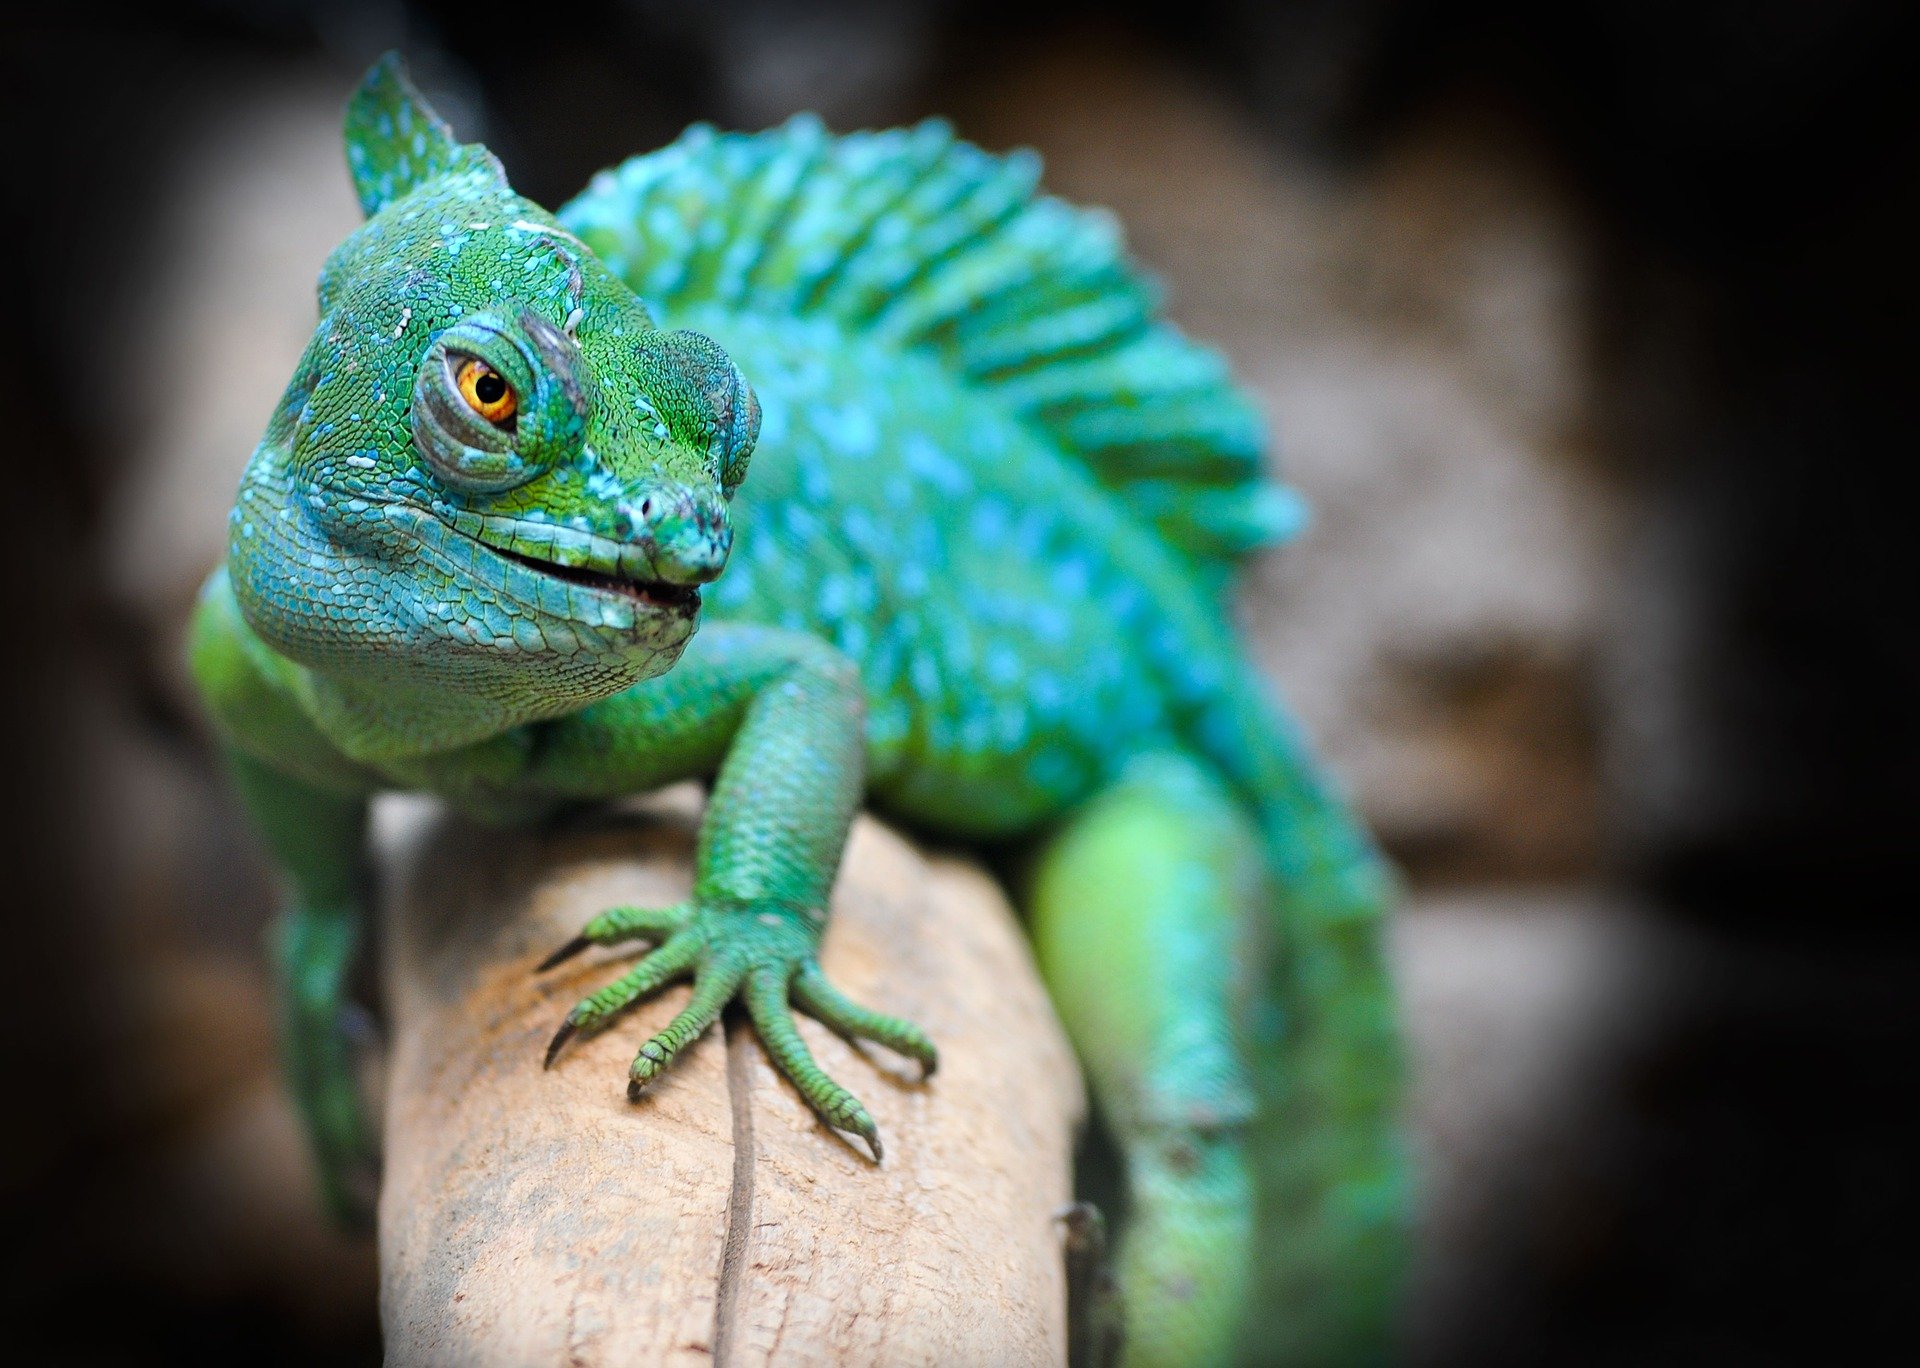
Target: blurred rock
(261,197)
(231,1214)
(853,62)
(203,1193)
(1520,1007)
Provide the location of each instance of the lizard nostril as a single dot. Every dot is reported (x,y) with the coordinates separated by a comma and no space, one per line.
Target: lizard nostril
(646,508)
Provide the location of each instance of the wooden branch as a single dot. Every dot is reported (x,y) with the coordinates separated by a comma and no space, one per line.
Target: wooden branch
(541,1218)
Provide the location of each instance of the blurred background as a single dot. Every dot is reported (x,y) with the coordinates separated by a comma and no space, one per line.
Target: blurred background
(1585,329)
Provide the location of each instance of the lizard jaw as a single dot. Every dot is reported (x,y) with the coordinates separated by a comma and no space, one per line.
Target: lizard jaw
(681,599)
(611,572)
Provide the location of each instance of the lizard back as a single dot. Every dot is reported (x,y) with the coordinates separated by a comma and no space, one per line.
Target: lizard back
(987,469)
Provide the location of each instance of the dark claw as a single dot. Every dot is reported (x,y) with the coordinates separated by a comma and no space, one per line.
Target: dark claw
(564,953)
(634,1090)
(560,1038)
(847,1130)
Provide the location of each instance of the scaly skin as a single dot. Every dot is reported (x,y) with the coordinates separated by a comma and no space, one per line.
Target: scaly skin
(979,585)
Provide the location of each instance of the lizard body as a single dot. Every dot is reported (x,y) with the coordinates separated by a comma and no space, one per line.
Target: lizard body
(976,578)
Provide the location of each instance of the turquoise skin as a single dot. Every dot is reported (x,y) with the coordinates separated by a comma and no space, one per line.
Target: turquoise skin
(976,580)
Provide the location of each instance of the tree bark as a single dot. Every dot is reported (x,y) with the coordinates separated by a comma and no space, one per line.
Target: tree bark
(533,1217)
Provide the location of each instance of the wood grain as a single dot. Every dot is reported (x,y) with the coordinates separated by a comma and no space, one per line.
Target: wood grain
(541,1218)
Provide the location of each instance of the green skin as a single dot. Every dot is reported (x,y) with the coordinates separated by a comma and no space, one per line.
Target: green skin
(502,612)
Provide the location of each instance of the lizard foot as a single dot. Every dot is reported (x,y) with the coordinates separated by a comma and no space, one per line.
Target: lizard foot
(759,952)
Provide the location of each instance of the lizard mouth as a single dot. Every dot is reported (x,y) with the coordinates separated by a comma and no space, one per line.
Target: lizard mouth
(682,599)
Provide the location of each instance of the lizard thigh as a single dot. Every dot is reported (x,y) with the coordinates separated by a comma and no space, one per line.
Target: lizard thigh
(1139,905)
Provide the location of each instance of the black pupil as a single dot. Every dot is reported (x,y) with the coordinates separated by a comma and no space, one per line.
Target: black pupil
(490,388)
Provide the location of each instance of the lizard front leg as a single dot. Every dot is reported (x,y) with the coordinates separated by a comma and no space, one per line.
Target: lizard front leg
(318,839)
(780,717)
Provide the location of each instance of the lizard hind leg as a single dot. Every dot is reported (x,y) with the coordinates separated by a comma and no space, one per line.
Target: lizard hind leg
(1138,908)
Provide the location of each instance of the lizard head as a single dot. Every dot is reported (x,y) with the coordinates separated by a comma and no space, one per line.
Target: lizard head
(490,472)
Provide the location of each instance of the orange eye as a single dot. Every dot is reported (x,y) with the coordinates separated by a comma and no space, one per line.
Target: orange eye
(486,391)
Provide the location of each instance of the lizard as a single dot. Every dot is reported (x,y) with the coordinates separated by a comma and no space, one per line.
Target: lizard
(978,581)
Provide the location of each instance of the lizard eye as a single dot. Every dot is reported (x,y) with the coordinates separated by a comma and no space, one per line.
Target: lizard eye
(496,403)
(486,391)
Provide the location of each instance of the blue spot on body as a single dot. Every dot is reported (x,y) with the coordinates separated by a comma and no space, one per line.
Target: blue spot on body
(934,466)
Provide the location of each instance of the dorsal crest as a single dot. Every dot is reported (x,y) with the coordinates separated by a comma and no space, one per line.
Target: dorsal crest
(397,143)
(915,239)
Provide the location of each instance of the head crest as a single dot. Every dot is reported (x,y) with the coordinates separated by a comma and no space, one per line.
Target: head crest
(396,143)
